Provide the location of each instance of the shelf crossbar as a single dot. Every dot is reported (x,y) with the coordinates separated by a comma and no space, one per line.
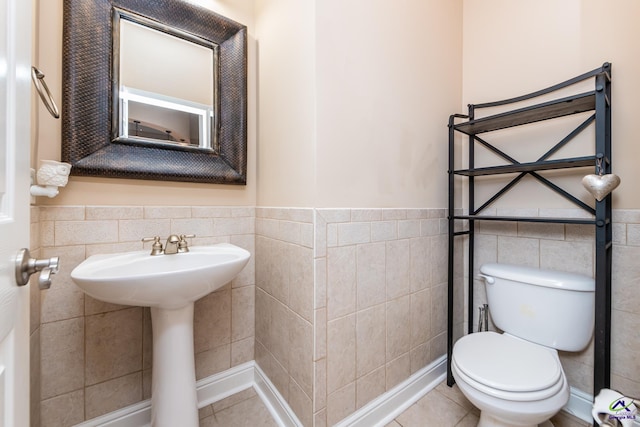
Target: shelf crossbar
(563,193)
(530,168)
(570,136)
(552,220)
(574,162)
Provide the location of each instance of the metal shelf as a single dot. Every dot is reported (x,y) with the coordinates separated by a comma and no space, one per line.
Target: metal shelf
(551,220)
(598,101)
(575,162)
(535,113)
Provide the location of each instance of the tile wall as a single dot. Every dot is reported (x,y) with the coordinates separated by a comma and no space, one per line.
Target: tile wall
(380,302)
(571,248)
(93,357)
(347,303)
(284,304)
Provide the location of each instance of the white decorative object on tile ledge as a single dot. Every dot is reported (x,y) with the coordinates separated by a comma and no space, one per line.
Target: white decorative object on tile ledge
(50,177)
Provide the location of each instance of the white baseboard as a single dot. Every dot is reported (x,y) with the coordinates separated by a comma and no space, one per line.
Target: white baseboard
(378,412)
(210,390)
(137,415)
(579,405)
(383,409)
(226,383)
(273,400)
(216,387)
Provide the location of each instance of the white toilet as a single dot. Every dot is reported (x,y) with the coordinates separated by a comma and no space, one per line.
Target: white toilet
(515,378)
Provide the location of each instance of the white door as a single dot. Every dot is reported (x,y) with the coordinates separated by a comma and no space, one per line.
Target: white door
(15,127)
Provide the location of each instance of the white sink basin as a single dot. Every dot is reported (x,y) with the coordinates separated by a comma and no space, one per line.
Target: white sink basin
(169,284)
(166,281)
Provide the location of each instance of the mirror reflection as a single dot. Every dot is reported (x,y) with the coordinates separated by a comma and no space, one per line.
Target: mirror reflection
(165,86)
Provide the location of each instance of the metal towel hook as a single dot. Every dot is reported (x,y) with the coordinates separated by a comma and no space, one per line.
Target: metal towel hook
(43,91)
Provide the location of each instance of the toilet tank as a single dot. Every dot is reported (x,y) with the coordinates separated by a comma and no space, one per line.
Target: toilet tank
(551,308)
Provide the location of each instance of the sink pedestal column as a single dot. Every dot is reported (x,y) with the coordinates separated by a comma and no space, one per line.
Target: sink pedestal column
(173,395)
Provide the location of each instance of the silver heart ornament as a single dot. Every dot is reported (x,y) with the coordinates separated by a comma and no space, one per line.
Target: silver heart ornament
(600,185)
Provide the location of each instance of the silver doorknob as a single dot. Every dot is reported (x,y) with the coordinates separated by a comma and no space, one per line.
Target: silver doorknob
(26,266)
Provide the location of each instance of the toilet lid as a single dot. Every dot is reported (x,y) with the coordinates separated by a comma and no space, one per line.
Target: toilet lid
(515,365)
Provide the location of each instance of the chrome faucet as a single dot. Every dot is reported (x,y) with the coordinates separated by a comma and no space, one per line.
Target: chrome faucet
(175,244)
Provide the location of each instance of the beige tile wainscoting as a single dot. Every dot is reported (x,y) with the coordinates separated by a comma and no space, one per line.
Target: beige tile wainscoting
(572,248)
(349,303)
(92,357)
(337,306)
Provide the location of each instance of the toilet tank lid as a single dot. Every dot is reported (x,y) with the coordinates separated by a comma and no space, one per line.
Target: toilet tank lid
(540,277)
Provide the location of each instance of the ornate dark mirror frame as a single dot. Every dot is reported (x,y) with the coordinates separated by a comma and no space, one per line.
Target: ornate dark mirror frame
(88,96)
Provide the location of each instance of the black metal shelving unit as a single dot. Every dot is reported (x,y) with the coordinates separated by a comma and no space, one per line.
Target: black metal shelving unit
(599,102)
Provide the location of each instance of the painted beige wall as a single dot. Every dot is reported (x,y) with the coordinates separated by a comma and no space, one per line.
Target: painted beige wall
(511,48)
(363,100)
(354,97)
(389,75)
(100,191)
(354,101)
(287,81)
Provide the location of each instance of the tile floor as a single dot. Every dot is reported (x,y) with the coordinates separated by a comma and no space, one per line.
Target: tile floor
(441,407)
(447,407)
(243,409)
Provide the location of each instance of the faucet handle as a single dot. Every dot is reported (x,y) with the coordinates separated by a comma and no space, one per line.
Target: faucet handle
(156,247)
(156,239)
(183,245)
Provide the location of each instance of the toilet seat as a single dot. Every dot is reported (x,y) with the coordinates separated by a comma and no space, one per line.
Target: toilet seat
(519,370)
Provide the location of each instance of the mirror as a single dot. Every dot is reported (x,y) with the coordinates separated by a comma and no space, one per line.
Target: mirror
(165,83)
(154,89)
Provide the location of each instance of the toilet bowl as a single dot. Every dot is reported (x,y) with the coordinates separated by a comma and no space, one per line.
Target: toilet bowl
(515,377)
(511,381)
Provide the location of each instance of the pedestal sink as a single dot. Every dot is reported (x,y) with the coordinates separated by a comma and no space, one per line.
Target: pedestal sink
(169,284)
